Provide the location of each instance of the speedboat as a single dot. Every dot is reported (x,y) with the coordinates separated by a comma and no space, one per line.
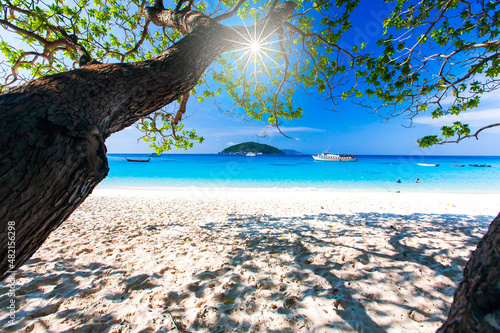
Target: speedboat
(251,154)
(340,157)
(427,164)
(480,165)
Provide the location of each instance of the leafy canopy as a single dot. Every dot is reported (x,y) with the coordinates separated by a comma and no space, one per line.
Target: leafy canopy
(439,56)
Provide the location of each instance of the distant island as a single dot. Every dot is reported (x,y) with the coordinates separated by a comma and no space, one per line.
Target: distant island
(251,147)
(291,152)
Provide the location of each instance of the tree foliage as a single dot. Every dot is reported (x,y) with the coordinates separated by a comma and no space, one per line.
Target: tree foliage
(438,56)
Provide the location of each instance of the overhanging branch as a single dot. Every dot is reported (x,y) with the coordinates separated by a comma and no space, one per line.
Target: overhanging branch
(460,138)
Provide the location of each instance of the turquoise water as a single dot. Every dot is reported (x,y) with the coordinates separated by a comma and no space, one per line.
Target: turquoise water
(372,173)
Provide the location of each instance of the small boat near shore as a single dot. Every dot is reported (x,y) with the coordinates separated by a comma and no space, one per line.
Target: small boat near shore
(457,165)
(134,160)
(480,165)
(340,157)
(251,154)
(428,165)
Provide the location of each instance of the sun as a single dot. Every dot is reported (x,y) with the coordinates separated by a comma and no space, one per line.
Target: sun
(255,46)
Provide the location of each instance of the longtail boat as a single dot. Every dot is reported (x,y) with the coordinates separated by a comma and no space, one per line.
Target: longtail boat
(480,165)
(133,160)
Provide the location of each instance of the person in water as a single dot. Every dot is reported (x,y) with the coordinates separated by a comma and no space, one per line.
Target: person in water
(399,181)
(417,181)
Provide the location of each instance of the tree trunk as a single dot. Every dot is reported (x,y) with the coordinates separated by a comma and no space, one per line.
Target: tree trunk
(52,152)
(476,303)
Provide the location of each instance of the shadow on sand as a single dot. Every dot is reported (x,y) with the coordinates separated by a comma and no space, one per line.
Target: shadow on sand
(281,266)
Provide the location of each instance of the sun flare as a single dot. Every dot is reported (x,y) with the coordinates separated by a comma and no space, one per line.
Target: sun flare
(255,46)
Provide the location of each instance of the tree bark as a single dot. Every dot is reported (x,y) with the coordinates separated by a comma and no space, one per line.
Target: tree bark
(52,130)
(476,303)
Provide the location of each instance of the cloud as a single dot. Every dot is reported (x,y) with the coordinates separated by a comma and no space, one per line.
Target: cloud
(490,97)
(131,128)
(300,129)
(255,130)
(222,132)
(474,118)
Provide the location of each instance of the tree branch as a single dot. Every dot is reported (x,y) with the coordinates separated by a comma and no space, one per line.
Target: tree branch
(187,8)
(308,35)
(436,20)
(139,43)
(181,111)
(470,135)
(184,21)
(178,115)
(158,4)
(84,57)
(230,13)
(27,33)
(471,71)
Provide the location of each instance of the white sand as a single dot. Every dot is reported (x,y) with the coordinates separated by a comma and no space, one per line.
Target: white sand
(222,260)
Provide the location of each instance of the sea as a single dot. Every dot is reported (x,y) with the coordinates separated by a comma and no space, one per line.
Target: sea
(288,172)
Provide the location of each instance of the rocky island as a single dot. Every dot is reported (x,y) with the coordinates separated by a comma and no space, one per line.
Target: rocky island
(251,147)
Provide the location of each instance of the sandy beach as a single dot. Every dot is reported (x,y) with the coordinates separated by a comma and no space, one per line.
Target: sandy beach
(232,260)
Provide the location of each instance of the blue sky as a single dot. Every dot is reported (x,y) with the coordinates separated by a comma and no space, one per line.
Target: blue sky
(352,129)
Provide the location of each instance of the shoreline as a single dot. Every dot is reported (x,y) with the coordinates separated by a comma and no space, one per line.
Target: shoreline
(252,261)
(159,189)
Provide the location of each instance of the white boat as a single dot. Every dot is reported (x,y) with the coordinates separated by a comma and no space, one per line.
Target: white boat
(426,164)
(340,157)
(251,154)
